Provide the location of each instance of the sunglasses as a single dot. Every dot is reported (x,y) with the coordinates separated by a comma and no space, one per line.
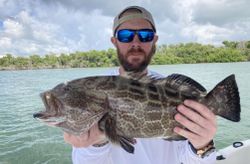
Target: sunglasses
(127,35)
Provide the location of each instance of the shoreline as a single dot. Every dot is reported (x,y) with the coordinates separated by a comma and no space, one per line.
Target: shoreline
(67,67)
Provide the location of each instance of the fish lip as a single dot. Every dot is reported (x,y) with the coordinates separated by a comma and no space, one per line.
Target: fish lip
(41,115)
(38,115)
(49,119)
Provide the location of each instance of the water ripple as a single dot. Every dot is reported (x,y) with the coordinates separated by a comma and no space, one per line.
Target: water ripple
(26,140)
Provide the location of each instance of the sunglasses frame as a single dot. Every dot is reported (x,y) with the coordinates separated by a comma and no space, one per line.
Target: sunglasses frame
(130,38)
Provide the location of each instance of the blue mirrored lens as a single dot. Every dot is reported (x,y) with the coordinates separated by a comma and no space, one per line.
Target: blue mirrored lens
(146,35)
(126,35)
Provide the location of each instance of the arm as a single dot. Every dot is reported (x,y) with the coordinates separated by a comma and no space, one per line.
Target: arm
(83,149)
(201,125)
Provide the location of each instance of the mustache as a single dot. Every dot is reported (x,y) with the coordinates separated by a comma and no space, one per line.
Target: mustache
(133,49)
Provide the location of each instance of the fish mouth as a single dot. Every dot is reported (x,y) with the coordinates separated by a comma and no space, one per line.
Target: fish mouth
(51,114)
(51,121)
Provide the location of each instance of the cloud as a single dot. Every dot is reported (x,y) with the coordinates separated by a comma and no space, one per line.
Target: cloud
(5,42)
(198,21)
(47,26)
(207,34)
(54,29)
(221,12)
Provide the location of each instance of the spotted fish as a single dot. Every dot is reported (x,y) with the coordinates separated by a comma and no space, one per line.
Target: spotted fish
(126,108)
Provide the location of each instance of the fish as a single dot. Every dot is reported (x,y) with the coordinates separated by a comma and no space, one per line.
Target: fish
(130,107)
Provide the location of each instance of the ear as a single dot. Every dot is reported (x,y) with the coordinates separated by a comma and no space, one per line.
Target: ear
(114,41)
(155,38)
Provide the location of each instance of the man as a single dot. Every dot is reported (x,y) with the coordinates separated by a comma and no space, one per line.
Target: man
(135,40)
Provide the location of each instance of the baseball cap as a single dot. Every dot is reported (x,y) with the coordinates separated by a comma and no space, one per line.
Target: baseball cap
(143,13)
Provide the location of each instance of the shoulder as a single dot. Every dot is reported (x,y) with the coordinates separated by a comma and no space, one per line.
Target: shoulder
(154,74)
(113,72)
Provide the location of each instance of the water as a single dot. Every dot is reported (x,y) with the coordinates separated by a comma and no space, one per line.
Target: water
(25,140)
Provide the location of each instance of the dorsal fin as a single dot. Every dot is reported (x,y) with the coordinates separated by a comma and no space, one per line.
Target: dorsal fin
(177,80)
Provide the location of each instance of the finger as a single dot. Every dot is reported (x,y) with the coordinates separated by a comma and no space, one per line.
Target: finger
(193,116)
(185,133)
(191,126)
(200,108)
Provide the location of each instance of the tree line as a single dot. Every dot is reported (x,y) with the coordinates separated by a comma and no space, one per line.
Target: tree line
(165,54)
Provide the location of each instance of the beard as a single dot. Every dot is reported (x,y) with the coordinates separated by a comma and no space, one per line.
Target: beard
(135,65)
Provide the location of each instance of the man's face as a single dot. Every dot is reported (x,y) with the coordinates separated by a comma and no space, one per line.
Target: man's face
(135,55)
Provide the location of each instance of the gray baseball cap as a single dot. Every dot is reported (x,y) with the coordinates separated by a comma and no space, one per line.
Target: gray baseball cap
(144,14)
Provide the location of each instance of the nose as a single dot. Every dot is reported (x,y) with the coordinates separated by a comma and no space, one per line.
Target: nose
(136,41)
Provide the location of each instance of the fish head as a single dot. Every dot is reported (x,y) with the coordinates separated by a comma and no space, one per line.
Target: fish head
(70,108)
(53,114)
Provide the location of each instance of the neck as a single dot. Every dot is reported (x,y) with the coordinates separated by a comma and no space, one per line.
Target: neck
(122,72)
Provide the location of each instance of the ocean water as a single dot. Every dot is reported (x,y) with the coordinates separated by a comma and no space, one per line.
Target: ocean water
(25,140)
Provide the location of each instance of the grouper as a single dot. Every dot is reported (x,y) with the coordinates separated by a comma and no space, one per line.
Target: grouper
(125,107)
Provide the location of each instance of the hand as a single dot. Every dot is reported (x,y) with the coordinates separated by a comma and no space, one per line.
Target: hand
(93,136)
(200,122)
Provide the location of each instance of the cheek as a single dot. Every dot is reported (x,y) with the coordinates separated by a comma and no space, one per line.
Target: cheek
(147,47)
(123,48)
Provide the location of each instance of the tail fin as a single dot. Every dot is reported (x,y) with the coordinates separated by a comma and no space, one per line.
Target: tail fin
(224,99)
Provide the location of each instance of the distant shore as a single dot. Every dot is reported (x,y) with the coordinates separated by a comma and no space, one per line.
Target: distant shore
(188,53)
(44,68)
(40,68)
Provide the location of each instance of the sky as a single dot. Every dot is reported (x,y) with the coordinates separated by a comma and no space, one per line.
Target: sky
(29,27)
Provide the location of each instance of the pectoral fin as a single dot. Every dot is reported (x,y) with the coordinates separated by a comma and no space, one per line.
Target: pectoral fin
(127,144)
(110,130)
